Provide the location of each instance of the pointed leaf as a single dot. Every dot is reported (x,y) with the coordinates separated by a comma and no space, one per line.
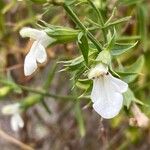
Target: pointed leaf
(39,1)
(84,47)
(128,97)
(120,48)
(111,39)
(80,119)
(125,19)
(142,14)
(130,73)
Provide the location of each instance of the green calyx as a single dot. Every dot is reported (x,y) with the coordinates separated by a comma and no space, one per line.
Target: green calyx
(62,35)
(104,57)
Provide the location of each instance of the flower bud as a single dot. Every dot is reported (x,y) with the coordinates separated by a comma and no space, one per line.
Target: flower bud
(4,91)
(104,57)
(30,100)
(61,34)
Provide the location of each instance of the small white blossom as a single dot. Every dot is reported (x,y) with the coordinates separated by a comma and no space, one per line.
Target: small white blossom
(37,53)
(16,120)
(107,91)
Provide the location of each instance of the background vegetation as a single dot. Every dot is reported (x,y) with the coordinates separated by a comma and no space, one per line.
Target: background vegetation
(59,119)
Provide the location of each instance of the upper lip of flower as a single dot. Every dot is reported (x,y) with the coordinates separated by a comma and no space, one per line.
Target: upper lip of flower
(97,71)
(38,35)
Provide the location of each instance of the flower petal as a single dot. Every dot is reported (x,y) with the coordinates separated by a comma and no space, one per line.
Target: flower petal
(30,64)
(40,53)
(39,35)
(30,32)
(118,84)
(11,109)
(16,122)
(97,91)
(110,102)
(109,109)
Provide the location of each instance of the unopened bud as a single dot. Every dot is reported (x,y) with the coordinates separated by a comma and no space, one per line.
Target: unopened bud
(104,57)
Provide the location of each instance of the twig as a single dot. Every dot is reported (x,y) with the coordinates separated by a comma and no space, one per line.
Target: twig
(56,96)
(14,141)
(43,92)
(14,67)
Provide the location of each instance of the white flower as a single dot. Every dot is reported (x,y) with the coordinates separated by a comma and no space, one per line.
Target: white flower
(16,120)
(107,91)
(37,53)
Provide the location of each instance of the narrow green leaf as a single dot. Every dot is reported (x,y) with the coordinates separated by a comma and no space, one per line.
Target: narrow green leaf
(125,19)
(78,62)
(79,37)
(140,102)
(79,72)
(120,48)
(45,105)
(142,14)
(129,38)
(9,6)
(84,47)
(69,2)
(130,2)
(39,1)
(112,15)
(128,97)
(74,66)
(137,66)
(129,74)
(111,39)
(79,118)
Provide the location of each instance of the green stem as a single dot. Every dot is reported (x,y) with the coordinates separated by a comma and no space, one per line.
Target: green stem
(50,77)
(43,93)
(47,84)
(100,19)
(78,113)
(53,2)
(78,22)
(56,96)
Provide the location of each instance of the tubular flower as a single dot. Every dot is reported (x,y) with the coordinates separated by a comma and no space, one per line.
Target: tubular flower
(107,91)
(16,120)
(37,53)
